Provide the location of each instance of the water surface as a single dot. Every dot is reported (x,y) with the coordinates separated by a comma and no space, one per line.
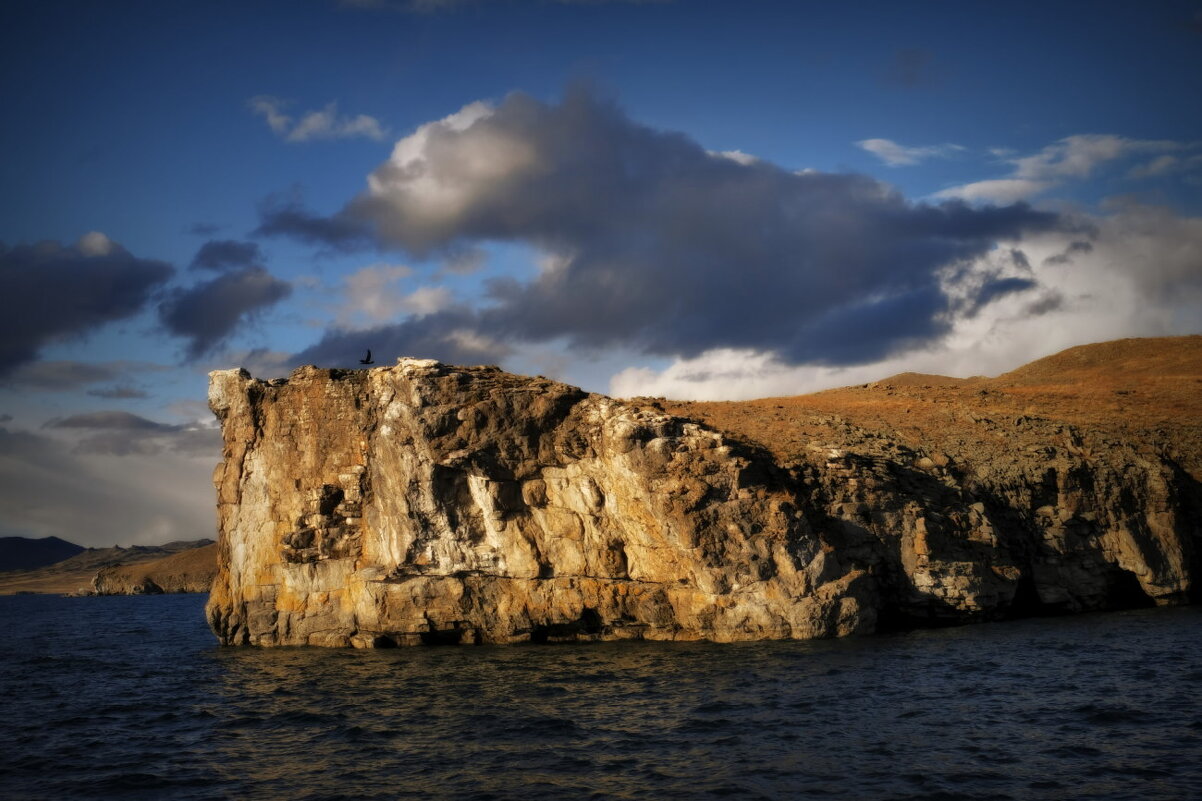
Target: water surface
(130,697)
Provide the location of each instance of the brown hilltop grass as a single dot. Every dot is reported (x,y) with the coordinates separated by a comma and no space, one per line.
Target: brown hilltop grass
(1146,391)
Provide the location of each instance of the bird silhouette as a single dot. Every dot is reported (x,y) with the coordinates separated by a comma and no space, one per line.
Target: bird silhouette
(367,359)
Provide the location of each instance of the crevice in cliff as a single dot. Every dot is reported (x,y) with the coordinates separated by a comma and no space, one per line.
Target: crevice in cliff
(442,637)
(1188,491)
(588,626)
(1125,592)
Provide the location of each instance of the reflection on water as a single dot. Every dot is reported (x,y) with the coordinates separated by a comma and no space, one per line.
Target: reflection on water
(129,697)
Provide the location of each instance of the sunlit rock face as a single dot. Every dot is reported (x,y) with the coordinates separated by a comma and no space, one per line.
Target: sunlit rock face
(426,503)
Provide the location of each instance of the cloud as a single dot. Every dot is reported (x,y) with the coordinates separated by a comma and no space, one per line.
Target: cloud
(208,313)
(1159,251)
(1140,274)
(65,375)
(266,363)
(119,392)
(1165,165)
(999,190)
(449,335)
(658,246)
(372,295)
(287,216)
(121,433)
(737,156)
(225,254)
(464,261)
(61,375)
(323,124)
(54,292)
(427,300)
(202,229)
(1072,158)
(121,421)
(1000,287)
(896,155)
(123,494)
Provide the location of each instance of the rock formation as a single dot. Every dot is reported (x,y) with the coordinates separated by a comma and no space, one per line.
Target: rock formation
(425,503)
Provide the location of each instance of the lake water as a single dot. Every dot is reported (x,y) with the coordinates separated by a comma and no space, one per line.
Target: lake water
(130,697)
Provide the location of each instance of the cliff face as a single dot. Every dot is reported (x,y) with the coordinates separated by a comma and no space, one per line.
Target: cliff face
(428,503)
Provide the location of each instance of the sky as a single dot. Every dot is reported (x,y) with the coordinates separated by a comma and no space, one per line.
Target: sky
(686,198)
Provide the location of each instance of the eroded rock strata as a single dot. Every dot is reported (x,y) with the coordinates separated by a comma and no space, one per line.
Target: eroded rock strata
(425,503)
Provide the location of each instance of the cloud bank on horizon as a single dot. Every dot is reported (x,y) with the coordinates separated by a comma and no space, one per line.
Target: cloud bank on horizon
(757,203)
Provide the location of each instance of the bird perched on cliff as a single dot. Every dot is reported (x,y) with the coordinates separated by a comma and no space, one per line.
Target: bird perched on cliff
(367,359)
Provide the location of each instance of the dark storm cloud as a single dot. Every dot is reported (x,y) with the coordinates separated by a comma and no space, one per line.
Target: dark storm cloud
(227,254)
(289,217)
(448,336)
(52,292)
(207,313)
(662,246)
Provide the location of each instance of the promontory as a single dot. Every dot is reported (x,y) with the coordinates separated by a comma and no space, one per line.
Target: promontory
(428,503)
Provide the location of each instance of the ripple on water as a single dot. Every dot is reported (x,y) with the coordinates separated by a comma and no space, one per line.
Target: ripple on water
(1103,706)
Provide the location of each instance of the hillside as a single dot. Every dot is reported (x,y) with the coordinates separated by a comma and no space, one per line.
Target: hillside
(1146,391)
(75,574)
(191,570)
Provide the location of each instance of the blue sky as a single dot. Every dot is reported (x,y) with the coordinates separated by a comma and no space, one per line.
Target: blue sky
(689,198)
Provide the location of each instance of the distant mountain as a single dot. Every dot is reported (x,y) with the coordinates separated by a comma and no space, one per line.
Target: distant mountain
(25,553)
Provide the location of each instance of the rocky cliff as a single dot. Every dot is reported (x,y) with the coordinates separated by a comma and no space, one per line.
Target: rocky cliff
(425,503)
